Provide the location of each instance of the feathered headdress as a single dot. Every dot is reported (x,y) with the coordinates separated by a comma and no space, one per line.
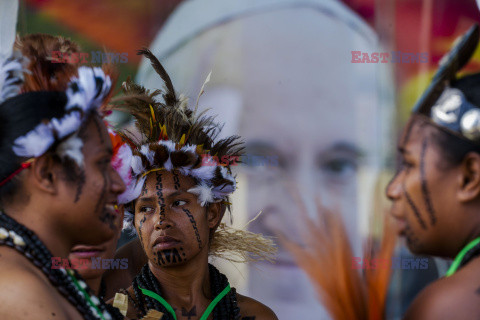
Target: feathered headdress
(30,77)
(445,106)
(173,137)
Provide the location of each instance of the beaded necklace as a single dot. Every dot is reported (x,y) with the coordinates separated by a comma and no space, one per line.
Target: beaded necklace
(225,308)
(68,282)
(470,251)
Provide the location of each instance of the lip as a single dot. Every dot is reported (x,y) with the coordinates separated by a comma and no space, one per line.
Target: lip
(165,242)
(86,252)
(401,227)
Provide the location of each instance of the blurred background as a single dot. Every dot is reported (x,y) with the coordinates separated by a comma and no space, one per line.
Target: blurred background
(285,77)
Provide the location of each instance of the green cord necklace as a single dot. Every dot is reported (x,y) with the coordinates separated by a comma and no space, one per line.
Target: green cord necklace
(169,308)
(458,259)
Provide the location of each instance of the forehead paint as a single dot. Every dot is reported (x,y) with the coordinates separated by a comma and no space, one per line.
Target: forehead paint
(161,200)
(195,228)
(425,191)
(415,210)
(176,180)
(407,132)
(144,190)
(99,129)
(80,182)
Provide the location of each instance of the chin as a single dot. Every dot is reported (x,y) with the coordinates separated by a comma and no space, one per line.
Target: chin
(419,249)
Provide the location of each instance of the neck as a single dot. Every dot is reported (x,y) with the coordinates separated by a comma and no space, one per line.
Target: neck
(38,221)
(94,284)
(186,285)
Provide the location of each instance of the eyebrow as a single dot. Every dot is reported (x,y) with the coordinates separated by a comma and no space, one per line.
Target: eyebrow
(344,146)
(147,199)
(257,146)
(176,193)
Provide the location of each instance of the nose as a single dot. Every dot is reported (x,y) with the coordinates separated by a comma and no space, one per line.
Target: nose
(394,189)
(163,222)
(117,186)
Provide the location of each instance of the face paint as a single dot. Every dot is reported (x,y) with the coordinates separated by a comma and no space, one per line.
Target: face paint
(195,228)
(407,132)
(81,183)
(168,256)
(161,200)
(425,191)
(189,314)
(140,226)
(183,229)
(419,188)
(91,203)
(176,181)
(415,211)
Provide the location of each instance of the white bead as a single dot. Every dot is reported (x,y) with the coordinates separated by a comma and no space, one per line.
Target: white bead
(3,233)
(95,300)
(107,315)
(82,284)
(18,241)
(94,311)
(12,234)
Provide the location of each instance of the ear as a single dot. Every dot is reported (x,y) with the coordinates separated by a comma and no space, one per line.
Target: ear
(469,186)
(43,174)
(215,212)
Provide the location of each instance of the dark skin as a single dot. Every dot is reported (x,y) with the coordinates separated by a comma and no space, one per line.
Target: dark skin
(181,265)
(105,250)
(61,222)
(436,206)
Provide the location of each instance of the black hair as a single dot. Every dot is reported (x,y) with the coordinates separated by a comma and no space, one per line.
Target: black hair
(452,147)
(18,116)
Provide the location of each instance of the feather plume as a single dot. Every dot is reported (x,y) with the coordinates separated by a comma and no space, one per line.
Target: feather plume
(169,96)
(327,260)
(34,143)
(11,76)
(71,148)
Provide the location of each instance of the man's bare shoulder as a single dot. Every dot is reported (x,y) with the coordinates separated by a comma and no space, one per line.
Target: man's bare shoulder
(25,293)
(455,297)
(251,309)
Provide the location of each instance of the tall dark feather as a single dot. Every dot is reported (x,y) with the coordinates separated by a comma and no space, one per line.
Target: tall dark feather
(169,95)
